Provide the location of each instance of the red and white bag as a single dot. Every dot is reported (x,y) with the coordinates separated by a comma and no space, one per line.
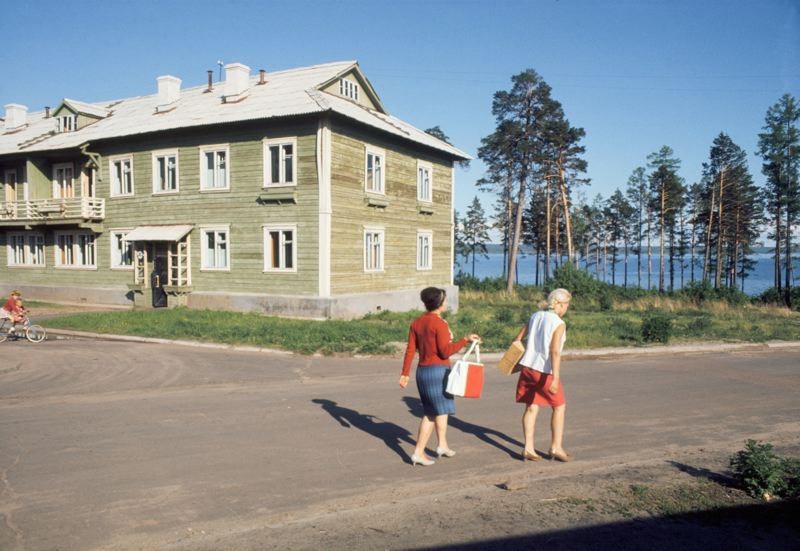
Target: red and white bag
(466,378)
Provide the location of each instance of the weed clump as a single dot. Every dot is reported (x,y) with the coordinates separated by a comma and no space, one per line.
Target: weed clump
(765,475)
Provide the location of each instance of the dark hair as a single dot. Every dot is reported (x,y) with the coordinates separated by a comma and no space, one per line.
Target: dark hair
(432,297)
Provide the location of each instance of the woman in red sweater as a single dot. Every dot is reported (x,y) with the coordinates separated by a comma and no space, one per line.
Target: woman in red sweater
(431,337)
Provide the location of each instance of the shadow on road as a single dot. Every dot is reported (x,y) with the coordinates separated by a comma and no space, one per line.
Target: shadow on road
(490,436)
(700,472)
(392,435)
(764,526)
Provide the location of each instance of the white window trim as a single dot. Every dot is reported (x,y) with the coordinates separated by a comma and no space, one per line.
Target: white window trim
(429,234)
(166,153)
(56,190)
(268,161)
(111,161)
(382,232)
(370,150)
(75,234)
(112,233)
(26,250)
(348,88)
(218,228)
(209,149)
(429,166)
(266,228)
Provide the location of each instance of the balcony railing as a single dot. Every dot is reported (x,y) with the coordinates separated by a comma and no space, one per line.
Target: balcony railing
(75,208)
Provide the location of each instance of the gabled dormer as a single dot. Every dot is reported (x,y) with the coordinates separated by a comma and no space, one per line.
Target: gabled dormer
(73,115)
(352,85)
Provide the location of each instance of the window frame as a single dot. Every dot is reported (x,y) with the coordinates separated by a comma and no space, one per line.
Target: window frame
(215,148)
(280,142)
(77,249)
(366,252)
(166,153)
(116,253)
(58,189)
(424,165)
(216,229)
(375,152)
(112,173)
(429,257)
(27,254)
(348,89)
(283,228)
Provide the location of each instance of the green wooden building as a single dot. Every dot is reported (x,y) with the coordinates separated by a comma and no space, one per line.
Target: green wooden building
(291,193)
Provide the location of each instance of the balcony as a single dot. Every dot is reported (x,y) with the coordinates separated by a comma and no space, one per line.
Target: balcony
(81,211)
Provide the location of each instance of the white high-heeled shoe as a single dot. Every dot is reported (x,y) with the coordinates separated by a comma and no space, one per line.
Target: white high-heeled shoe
(442,452)
(417,460)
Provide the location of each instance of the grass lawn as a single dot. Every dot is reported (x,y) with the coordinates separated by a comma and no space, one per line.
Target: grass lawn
(496,316)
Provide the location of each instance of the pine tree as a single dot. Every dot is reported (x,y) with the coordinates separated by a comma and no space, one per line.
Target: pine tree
(666,189)
(476,231)
(779,146)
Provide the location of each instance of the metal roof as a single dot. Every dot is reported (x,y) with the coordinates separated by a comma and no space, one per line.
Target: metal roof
(286,93)
(158,233)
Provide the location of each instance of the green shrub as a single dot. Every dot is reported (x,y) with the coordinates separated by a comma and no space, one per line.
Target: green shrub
(656,327)
(578,282)
(505,315)
(773,296)
(760,471)
(702,291)
(699,324)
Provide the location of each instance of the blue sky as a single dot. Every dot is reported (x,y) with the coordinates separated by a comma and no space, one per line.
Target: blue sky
(635,74)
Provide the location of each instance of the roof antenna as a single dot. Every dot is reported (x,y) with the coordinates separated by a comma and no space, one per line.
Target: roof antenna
(220,63)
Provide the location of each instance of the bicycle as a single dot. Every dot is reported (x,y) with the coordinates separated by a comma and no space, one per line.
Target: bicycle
(32,332)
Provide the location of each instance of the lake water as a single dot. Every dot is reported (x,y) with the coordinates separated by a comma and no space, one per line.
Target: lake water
(757,281)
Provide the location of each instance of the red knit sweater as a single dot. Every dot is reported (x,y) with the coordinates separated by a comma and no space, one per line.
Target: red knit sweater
(431,336)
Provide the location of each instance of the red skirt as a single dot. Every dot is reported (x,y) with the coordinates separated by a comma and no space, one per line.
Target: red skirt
(532,389)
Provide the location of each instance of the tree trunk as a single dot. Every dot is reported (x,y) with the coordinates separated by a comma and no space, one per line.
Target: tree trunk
(512,265)
(649,252)
(788,255)
(565,206)
(720,229)
(547,237)
(707,259)
(661,244)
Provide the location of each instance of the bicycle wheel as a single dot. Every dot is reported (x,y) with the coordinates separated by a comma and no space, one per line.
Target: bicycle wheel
(35,333)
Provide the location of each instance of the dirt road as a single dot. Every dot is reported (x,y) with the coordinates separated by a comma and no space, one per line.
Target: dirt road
(113,445)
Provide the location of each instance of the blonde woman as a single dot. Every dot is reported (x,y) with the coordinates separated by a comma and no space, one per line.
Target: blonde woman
(539,381)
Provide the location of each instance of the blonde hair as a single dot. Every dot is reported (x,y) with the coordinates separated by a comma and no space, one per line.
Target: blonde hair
(556,296)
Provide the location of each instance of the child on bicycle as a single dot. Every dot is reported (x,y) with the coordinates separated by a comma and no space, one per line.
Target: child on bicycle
(13,310)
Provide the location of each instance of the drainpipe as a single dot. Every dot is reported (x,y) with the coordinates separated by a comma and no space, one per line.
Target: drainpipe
(93,157)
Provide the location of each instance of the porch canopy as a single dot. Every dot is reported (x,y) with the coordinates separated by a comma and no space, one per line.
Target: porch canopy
(158,233)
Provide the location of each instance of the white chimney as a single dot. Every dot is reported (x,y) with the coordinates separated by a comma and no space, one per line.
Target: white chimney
(16,116)
(237,80)
(169,91)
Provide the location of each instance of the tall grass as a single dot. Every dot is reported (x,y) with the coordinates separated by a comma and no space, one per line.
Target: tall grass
(494,314)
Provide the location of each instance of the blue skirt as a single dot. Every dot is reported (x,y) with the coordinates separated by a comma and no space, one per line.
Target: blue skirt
(431,383)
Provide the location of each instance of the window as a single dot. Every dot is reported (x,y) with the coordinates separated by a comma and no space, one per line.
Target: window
(25,249)
(348,89)
(121,250)
(279,162)
(121,171)
(10,181)
(67,123)
(280,253)
(424,250)
(373,249)
(63,181)
(75,250)
(165,172)
(215,248)
(374,170)
(214,170)
(424,186)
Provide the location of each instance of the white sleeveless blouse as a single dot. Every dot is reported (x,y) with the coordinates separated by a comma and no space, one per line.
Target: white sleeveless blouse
(541,327)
